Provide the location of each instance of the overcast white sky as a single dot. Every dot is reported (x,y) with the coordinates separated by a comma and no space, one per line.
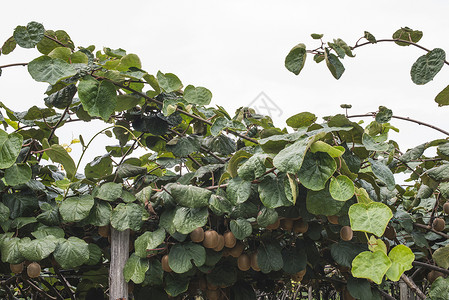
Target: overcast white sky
(237,50)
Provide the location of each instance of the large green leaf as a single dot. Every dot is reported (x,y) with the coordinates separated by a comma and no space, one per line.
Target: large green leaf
(345,252)
(371,265)
(129,61)
(253,168)
(341,188)
(197,95)
(372,217)
(181,256)
(10,251)
(322,203)
(98,98)
(443,97)
(220,205)
(359,288)
(169,82)
(441,257)
(183,146)
(45,231)
(334,65)
(186,219)
(440,289)
(407,34)
(290,159)
(17,174)
(294,258)
(241,228)
(295,59)
(383,173)
(316,169)
(320,146)
(266,216)
(99,167)
(109,191)
(274,191)
(126,216)
(58,154)
(135,269)
(75,209)
(190,196)
(38,249)
(238,190)
(269,257)
(100,214)
(95,254)
(10,145)
(440,173)
(4,212)
(50,70)
(71,253)
(20,203)
(303,119)
(371,144)
(175,284)
(427,66)
(29,36)
(147,241)
(401,257)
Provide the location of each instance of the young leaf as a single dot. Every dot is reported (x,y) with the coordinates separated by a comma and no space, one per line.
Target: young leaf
(29,36)
(427,66)
(294,62)
(371,265)
(372,217)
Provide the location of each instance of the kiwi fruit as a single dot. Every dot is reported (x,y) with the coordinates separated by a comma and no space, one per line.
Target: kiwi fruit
(213,294)
(210,239)
(16,268)
(347,295)
(333,219)
(299,276)
(253,260)
(299,226)
(446,208)
(244,262)
(275,225)
(237,250)
(287,224)
(34,270)
(197,235)
(103,231)
(346,233)
(390,233)
(438,224)
(221,242)
(229,239)
(165,265)
(433,275)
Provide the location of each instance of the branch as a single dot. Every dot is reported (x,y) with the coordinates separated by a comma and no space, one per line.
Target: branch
(413,286)
(13,65)
(64,281)
(58,42)
(429,228)
(39,290)
(431,267)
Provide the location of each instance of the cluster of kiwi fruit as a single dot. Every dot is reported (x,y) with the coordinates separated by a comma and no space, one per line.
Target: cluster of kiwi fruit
(33,269)
(297,225)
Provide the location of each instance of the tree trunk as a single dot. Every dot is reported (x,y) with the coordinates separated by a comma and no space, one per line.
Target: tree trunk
(118,287)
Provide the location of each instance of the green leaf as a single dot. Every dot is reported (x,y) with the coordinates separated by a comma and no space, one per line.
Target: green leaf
(75,209)
(238,190)
(220,205)
(294,258)
(29,36)
(372,217)
(126,216)
(290,159)
(45,231)
(8,46)
(440,173)
(99,99)
(322,203)
(266,216)
(320,146)
(183,146)
(10,146)
(241,228)
(71,253)
(101,166)
(10,250)
(303,119)
(135,269)
(269,257)
(316,36)
(4,213)
(224,274)
(341,188)
(371,265)
(197,95)
(187,219)
(169,82)
(443,97)
(359,288)
(22,221)
(100,214)
(175,285)
(50,70)
(253,168)
(108,191)
(334,65)
(383,115)
(126,102)
(295,59)
(407,34)
(129,61)
(17,174)
(371,144)
(427,66)
(316,170)
(38,249)
(20,203)
(370,37)
(181,256)
(95,254)
(273,192)
(345,252)
(58,154)
(46,45)
(441,257)
(190,196)
(440,289)
(147,241)
(62,98)
(401,257)
(383,173)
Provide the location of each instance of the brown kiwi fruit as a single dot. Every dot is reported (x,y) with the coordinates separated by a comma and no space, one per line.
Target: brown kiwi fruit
(197,235)
(299,226)
(254,264)
(346,233)
(221,242)
(226,252)
(446,208)
(333,219)
(165,265)
(213,294)
(210,239)
(299,276)
(433,275)
(438,224)
(16,268)
(237,250)
(347,295)
(275,225)
(103,231)
(244,262)
(287,224)
(229,239)
(390,233)
(34,270)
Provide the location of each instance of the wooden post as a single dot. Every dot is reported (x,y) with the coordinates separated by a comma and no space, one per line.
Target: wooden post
(118,287)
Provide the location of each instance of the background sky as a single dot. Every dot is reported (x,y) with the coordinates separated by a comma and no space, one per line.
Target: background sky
(237,50)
